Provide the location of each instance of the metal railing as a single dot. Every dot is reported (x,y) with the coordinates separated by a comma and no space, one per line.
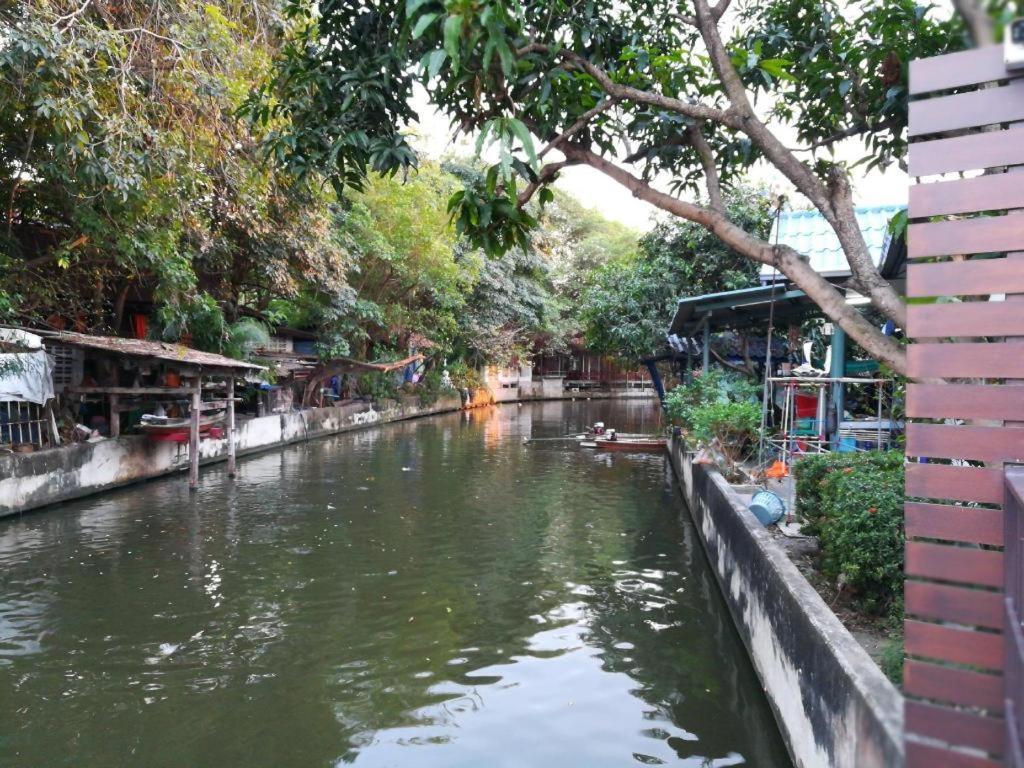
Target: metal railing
(22,423)
(1014,639)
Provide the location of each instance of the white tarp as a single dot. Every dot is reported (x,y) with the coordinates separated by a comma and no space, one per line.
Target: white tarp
(25,376)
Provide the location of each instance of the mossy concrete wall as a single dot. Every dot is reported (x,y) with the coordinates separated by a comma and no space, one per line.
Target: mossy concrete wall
(32,480)
(833,705)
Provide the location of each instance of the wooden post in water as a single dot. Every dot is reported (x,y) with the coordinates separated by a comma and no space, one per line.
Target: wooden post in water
(231,426)
(115,417)
(193,436)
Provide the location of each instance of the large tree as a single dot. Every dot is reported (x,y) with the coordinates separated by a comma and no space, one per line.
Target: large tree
(639,90)
(628,302)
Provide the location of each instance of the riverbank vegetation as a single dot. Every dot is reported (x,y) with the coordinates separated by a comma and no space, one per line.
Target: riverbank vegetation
(138,177)
(853,503)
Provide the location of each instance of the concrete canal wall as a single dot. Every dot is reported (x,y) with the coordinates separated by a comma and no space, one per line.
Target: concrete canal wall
(834,706)
(32,480)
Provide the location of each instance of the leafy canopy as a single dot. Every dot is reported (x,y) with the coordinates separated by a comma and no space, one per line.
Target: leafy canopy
(507,70)
(629,302)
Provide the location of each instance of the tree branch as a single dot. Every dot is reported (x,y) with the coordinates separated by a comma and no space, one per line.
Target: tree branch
(547,173)
(579,125)
(707,159)
(834,201)
(788,261)
(628,93)
(977,20)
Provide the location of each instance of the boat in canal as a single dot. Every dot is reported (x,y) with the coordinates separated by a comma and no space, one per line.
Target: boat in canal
(611,440)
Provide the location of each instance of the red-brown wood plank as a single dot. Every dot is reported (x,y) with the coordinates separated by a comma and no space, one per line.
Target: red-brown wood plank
(971,318)
(958,604)
(977,277)
(954,686)
(974,360)
(965,401)
(950,441)
(967,110)
(965,153)
(984,234)
(925,756)
(958,646)
(962,729)
(997,192)
(955,70)
(983,567)
(954,523)
(943,481)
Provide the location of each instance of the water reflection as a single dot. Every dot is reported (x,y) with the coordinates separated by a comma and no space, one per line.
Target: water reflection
(432,593)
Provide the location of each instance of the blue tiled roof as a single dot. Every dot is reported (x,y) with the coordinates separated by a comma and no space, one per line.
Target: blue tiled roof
(808,233)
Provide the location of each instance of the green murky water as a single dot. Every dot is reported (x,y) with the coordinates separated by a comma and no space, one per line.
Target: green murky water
(425,594)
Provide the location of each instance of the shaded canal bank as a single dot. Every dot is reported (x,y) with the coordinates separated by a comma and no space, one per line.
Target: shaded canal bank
(429,593)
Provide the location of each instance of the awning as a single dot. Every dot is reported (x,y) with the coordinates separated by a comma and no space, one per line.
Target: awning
(740,309)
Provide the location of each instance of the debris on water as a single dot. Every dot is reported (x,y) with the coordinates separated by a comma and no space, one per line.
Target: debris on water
(166,649)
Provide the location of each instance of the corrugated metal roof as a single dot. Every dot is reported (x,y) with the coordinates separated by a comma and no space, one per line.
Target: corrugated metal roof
(176,353)
(808,233)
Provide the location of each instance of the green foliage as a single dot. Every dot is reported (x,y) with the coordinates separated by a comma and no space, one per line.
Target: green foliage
(846,66)
(858,516)
(812,471)
(729,425)
(627,304)
(512,71)
(123,165)
(378,385)
(465,376)
(713,387)
(429,387)
(893,652)
(718,410)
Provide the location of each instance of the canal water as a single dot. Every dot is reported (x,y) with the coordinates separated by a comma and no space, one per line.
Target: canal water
(432,594)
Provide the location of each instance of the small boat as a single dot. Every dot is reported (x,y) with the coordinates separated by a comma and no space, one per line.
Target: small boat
(613,441)
(598,431)
(176,430)
(632,444)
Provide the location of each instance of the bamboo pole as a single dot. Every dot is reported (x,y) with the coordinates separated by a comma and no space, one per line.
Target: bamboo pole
(231,426)
(193,436)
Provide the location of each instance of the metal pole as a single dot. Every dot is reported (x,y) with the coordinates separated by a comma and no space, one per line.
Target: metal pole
(706,352)
(193,436)
(231,426)
(838,371)
(878,444)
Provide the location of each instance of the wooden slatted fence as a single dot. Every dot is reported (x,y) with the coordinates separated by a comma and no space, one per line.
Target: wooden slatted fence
(966,281)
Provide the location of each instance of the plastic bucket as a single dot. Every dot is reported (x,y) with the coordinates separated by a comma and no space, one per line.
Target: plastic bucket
(767,507)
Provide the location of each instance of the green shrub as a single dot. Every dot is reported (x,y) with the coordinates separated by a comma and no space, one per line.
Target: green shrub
(861,527)
(379,386)
(894,652)
(714,386)
(811,471)
(429,387)
(729,426)
(465,376)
